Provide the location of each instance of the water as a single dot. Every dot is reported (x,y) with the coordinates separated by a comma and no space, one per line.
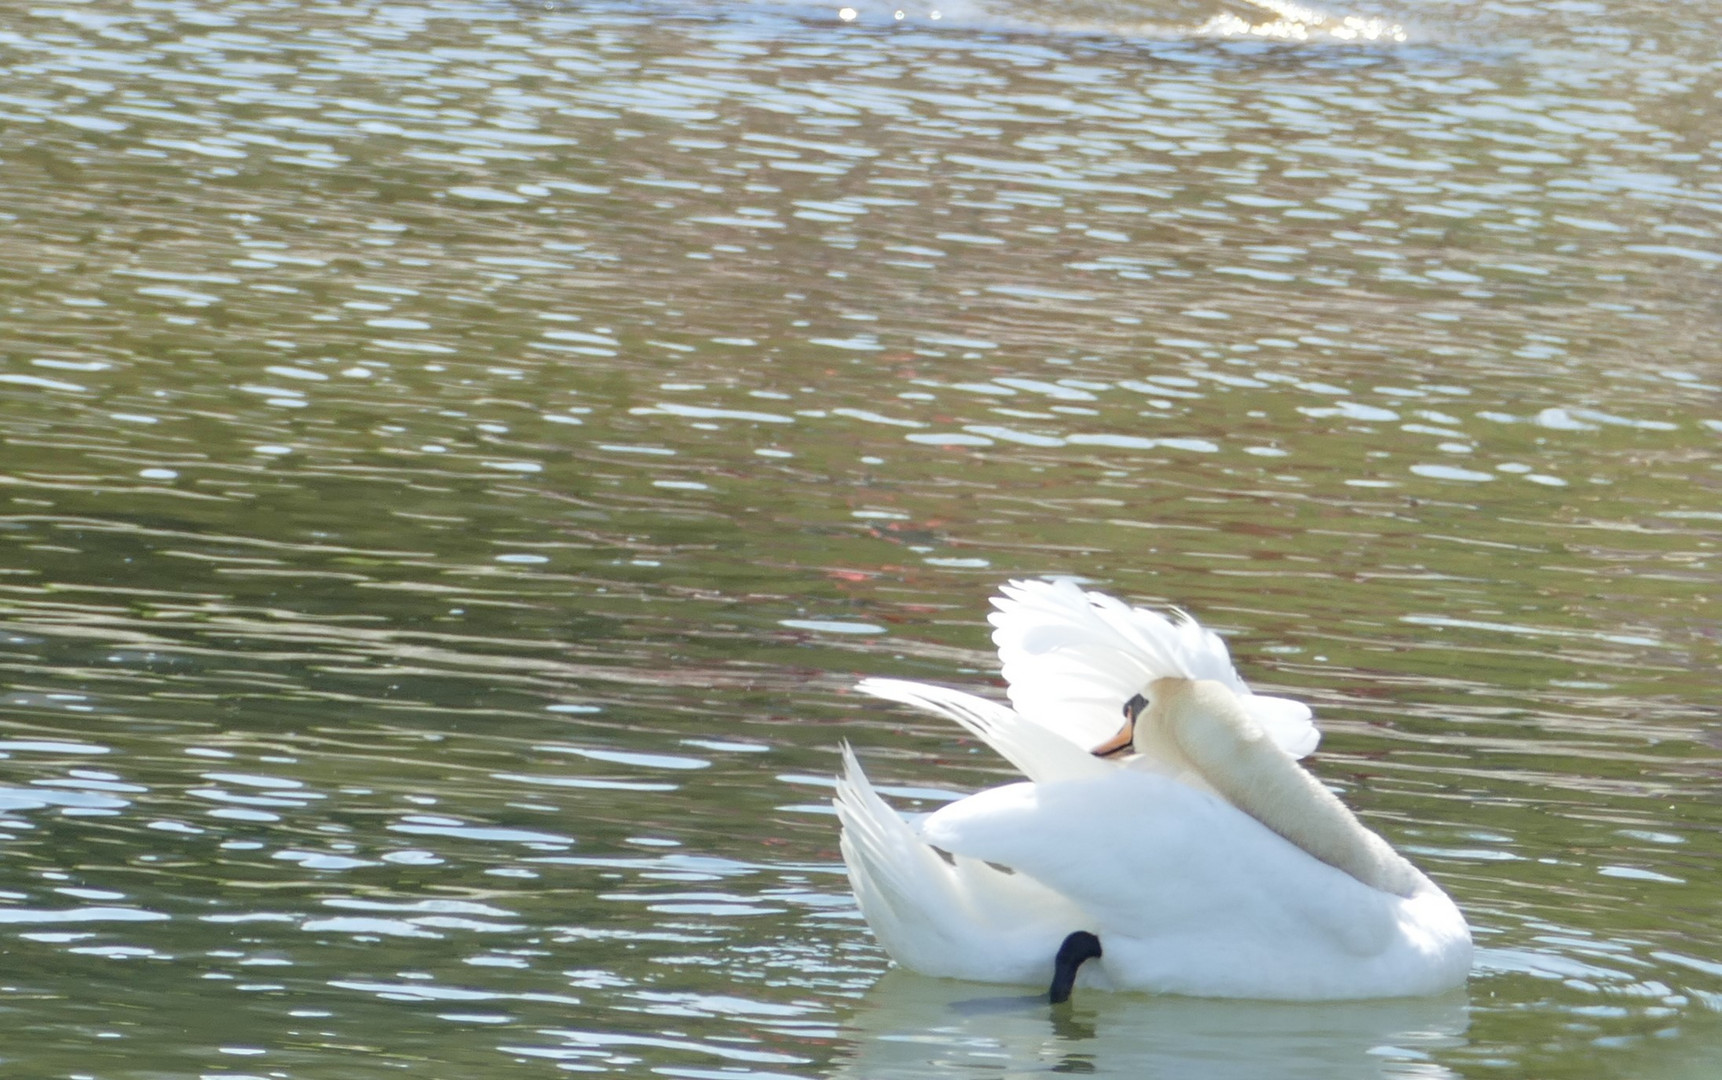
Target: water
(457,457)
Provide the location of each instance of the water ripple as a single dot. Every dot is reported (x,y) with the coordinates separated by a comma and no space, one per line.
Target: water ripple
(458,457)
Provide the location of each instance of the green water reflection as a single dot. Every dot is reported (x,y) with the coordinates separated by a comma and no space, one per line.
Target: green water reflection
(455,458)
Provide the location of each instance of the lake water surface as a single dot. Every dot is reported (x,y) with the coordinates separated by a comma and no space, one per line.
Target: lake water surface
(456,457)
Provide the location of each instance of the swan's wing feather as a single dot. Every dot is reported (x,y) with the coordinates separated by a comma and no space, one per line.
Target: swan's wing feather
(1146,855)
(1191,895)
(1040,753)
(1068,670)
(1118,848)
(1287,722)
(1073,658)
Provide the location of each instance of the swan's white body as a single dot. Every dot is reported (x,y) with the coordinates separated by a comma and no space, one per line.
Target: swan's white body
(1208,862)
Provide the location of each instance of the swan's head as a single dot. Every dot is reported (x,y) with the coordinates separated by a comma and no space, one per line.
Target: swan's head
(1125,741)
(1282,720)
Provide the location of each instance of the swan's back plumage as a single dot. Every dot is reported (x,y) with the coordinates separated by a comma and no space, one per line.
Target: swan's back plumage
(1189,895)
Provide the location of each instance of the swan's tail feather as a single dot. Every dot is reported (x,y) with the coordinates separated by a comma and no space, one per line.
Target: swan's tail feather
(878,845)
(1041,754)
(936,913)
(907,893)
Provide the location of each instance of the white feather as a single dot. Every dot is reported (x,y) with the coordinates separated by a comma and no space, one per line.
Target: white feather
(1073,658)
(1039,753)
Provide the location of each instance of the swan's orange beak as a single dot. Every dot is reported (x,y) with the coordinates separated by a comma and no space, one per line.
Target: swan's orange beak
(1122,742)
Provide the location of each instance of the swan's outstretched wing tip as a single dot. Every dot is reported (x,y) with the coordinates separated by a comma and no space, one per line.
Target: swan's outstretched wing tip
(901,691)
(1050,591)
(1040,752)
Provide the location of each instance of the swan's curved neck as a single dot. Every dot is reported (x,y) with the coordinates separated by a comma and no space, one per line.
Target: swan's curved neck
(1199,725)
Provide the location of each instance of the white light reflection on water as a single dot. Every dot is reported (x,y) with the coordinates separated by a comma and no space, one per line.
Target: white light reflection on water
(1271,20)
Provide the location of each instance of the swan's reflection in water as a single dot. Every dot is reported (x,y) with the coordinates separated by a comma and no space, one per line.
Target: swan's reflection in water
(914,1026)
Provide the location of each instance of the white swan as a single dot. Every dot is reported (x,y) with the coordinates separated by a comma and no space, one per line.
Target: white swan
(1196,857)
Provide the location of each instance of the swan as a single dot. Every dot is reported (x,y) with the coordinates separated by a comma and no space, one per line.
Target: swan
(1187,852)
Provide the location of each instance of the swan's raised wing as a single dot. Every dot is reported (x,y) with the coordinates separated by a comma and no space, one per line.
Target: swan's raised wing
(1042,754)
(1073,658)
